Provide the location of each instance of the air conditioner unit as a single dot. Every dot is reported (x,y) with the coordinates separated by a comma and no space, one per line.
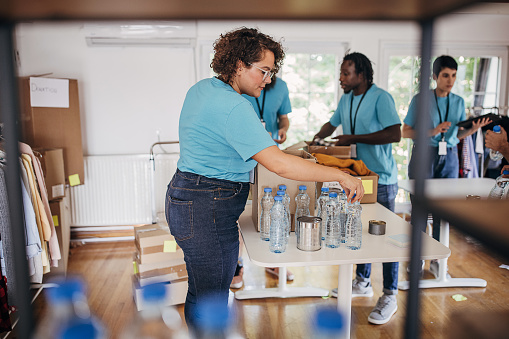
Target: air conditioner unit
(152,33)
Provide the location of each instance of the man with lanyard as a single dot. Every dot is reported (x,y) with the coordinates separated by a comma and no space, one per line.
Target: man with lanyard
(447,109)
(273,107)
(369,119)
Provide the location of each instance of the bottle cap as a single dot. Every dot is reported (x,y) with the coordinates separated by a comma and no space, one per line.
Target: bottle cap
(280,192)
(282,187)
(505,172)
(66,289)
(267,189)
(154,292)
(325,189)
(333,194)
(214,316)
(496,129)
(328,320)
(278,198)
(303,187)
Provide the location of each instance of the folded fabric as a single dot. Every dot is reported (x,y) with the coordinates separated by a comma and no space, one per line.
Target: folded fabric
(354,167)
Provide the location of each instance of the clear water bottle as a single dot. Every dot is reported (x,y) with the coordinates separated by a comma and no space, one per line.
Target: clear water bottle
(287,213)
(69,313)
(320,209)
(353,227)
(216,320)
(343,212)
(327,323)
(332,228)
(277,242)
(301,205)
(266,205)
(156,320)
(499,191)
(286,202)
(496,155)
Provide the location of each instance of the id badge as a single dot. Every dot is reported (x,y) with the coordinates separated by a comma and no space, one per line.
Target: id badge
(442,148)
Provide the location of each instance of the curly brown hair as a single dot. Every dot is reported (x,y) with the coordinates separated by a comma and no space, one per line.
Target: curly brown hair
(246,45)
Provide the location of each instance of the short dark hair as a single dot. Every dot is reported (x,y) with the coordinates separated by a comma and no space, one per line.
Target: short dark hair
(246,45)
(444,61)
(362,65)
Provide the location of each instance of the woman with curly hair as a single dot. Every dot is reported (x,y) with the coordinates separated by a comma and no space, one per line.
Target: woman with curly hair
(221,141)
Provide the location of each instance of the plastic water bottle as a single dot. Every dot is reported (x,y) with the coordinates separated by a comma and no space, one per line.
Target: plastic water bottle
(499,191)
(216,320)
(156,320)
(328,323)
(287,213)
(332,235)
(496,155)
(286,202)
(69,313)
(266,205)
(353,227)
(343,212)
(301,205)
(320,209)
(277,226)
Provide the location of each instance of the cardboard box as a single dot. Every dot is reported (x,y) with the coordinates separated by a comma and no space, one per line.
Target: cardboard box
(52,127)
(156,245)
(145,228)
(52,162)
(370,183)
(162,271)
(176,292)
(342,152)
(265,178)
(61,214)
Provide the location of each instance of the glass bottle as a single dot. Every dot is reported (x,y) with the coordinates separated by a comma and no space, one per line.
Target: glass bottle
(266,205)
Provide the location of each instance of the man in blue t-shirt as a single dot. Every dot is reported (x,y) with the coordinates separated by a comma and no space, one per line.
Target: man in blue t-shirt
(369,119)
(273,107)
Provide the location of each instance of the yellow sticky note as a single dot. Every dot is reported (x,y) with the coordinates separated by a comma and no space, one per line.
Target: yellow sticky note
(459,297)
(135,266)
(368,186)
(170,246)
(55,220)
(74,179)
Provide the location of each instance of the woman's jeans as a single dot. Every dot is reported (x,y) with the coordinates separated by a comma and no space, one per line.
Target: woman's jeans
(202,215)
(387,197)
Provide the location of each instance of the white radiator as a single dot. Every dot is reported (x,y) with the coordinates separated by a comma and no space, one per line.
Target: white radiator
(118,189)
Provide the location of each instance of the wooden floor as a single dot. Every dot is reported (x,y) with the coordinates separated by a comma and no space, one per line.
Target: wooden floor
(107,268)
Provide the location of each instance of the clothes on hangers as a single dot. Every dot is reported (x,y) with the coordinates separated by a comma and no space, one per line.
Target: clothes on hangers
(468,159)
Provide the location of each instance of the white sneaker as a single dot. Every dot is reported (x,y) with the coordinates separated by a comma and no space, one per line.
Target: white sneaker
(359,289)
(385,308)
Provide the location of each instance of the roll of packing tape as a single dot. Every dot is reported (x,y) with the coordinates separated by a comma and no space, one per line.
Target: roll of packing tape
(377,227)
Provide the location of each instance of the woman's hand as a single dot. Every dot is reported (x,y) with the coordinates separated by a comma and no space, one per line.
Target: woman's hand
(352,186)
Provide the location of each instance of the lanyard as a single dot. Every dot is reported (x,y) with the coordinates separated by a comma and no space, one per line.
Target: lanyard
(353,121)
(440,113)
(263,104)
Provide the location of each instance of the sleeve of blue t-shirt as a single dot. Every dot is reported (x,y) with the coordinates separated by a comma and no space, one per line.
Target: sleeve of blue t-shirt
(386,111)
(410,116)
(335,120)
(245,133)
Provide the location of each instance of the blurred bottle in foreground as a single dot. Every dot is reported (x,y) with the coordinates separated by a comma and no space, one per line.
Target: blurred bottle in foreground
(215,321)
(327,323)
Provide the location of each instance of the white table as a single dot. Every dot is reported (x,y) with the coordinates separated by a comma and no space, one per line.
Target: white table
(374,249)
(449,188)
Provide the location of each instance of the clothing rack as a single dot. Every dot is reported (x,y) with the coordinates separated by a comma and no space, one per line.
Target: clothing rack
(495,109)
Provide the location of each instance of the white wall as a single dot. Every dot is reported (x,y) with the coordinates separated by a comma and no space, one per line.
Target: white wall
(131,96)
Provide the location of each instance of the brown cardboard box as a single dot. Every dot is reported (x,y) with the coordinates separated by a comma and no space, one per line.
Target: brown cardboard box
(176,292)
(156,245)
(370,183)
(265,178)
(169,270)
(53,168)
(48,127)
(61,214)
(343,152)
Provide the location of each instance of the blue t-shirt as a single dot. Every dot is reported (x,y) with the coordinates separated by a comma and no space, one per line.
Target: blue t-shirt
(277,102)
(376,112)
(456,114)
(219,132)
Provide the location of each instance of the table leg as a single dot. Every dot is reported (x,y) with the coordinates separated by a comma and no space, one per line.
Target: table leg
(282,291)
(345,296)
(444,279)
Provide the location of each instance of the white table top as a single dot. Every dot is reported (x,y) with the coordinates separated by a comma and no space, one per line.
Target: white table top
(452,188)
(374,248)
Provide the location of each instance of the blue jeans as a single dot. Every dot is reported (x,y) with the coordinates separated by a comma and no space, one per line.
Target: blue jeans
(442,166)
(202,215)
(387,197)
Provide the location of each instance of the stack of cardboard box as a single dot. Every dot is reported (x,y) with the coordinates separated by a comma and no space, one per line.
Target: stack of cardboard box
(158,259)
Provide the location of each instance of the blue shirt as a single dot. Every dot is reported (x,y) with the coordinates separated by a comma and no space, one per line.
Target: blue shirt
(219,132)
(277,102)
(456,114)
(376,112)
